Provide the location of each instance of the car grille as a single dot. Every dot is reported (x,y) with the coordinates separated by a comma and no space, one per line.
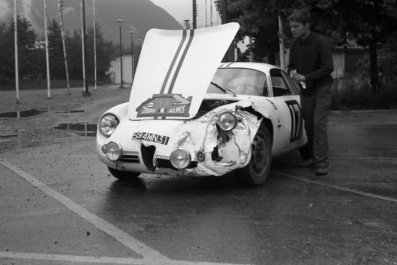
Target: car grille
(129,157)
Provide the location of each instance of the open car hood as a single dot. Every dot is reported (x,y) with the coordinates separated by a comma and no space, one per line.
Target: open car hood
(175,69)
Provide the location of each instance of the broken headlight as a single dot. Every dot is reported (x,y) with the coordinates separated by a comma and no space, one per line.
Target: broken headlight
(227,121)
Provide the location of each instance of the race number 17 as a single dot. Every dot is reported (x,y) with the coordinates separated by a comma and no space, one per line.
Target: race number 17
(296,120)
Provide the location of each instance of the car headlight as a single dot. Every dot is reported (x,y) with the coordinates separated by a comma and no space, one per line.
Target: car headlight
(113,151)
(227,121)
(180,158)
(108,124)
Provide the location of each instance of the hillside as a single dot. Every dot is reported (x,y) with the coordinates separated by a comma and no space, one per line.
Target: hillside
(141,15)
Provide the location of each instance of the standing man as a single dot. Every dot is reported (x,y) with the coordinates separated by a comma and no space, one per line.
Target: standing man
(310,64)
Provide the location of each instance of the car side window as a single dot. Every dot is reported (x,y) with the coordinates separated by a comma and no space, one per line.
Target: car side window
(279,84)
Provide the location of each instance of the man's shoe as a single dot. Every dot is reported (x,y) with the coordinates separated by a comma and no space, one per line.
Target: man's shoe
(320,171)
(306,162)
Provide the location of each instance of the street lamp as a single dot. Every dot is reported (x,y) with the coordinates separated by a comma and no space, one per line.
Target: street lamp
(132,56)
(120,21)
(86,93)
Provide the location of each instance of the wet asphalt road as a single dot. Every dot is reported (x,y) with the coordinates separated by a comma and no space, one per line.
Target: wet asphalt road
(60,206)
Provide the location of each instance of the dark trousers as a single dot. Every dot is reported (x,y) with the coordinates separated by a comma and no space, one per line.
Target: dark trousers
(315,109)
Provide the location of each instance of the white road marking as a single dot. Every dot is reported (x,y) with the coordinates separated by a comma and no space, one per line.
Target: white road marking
(70,258)
(101,224)
(99,260)
(364,157)
(358,192)
(150,256)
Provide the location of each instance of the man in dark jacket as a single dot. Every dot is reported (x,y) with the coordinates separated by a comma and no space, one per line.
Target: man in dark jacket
(310,64)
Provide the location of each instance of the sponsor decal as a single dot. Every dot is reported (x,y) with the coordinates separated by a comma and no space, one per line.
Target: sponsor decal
(165,105)
(151,137)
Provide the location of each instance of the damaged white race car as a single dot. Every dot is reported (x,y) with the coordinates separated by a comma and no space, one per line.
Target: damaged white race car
(190,115)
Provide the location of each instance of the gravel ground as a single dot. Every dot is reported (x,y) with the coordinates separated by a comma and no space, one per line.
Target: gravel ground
(60,108)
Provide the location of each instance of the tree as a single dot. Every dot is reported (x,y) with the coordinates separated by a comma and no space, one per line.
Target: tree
(105,52)
(57,65)
(26,44)
(105,49)
(372,21)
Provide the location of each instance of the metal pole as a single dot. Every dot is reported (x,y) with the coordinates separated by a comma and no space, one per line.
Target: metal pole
(95,63)
(16,51)
(132,57)
(211,3)
(206,14)
(65,56)
(86,93)
(120,21)
(194,14)
(47,54)
(224,11)
(281,40)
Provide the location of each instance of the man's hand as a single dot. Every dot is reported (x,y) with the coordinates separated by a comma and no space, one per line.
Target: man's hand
(299,77)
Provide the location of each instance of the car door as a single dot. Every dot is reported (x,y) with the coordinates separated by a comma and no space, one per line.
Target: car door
(286,97)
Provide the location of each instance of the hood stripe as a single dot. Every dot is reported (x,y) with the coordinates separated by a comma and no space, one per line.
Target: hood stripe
(181,62)
(178,51)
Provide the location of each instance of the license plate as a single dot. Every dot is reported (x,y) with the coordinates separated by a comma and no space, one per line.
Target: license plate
(151,137)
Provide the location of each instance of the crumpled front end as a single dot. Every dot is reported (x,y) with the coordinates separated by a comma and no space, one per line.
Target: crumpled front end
(219,151)
(214,144)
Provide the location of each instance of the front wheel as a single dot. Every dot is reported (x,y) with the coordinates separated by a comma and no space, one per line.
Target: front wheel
(123,175)
(258,169)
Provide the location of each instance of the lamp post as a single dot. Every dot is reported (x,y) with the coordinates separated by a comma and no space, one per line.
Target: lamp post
(120,21)
(95,61)
(86,93)
(132,56)
(16,51)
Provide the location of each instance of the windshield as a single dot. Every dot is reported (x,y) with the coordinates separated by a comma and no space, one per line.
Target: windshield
(242,81)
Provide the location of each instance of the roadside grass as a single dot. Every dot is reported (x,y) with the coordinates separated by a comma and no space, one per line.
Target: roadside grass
(359,96)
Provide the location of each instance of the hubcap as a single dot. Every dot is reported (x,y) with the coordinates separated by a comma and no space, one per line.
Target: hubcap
(259,155)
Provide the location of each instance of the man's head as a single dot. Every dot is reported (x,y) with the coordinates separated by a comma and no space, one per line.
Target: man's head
(299,22)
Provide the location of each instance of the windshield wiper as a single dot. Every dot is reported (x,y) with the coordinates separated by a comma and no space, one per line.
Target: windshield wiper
(224,89)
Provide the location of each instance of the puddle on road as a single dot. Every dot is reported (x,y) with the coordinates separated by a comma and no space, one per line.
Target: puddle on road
(34,112)
(22,113)
(72,111)
(82,129)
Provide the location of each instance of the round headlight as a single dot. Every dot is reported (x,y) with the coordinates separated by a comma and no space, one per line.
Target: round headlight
(227,121)
(108,124)
(113,151)
(180,159)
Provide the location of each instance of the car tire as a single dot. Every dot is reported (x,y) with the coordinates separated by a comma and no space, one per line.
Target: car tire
(258,169)
(123,175)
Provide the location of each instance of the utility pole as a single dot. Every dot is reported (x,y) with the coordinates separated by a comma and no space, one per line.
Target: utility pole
(120,21)
(95,66)
(224,11)
(86,93)
(194,14)
(47,54)
(16,51)
(211,23)
(206,14)
(132,56)
(281,41)
(65,56)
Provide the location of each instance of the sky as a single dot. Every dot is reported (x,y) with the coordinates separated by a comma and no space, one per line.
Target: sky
(182,9)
